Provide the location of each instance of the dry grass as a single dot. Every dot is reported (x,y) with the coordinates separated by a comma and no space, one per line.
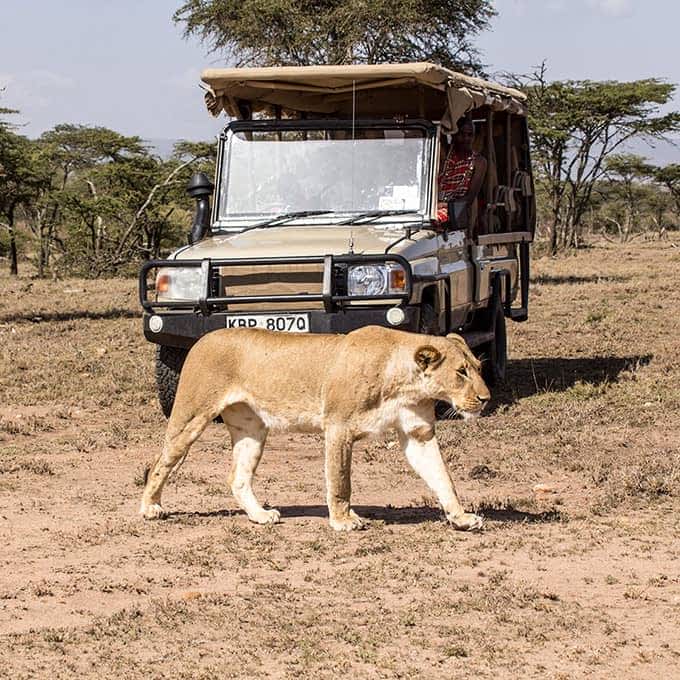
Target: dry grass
(576,468)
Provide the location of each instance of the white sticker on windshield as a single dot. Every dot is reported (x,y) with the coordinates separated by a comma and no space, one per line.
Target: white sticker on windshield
(400,197)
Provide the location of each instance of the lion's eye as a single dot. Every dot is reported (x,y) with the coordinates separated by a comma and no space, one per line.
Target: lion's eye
(462,372)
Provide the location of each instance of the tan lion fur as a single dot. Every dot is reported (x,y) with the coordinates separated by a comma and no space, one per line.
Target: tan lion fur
(349,386)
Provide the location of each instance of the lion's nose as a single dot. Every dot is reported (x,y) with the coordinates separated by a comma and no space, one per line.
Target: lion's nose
(484,399)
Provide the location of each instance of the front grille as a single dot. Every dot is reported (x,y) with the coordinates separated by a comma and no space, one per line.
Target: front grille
(272,279)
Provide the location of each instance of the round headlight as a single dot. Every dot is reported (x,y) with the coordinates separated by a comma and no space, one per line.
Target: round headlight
(367,279)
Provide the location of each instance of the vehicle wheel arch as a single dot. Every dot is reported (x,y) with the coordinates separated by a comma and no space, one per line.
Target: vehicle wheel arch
(432,297)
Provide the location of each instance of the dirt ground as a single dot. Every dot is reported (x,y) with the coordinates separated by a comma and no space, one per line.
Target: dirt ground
(576,468)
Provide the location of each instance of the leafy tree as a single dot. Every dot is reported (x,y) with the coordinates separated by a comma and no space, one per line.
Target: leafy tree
(109,201)
(576,126)
(627,173)
(285,32)
(80,159)
(20,181)
(659,205)
(61,154)
(166,194)
(669,178)
(39,211)
(12,171)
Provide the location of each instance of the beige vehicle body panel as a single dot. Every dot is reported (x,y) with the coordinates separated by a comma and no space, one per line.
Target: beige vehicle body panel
(463,284)
(295,240)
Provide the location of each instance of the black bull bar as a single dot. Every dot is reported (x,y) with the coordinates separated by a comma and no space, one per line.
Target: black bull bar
(208,302)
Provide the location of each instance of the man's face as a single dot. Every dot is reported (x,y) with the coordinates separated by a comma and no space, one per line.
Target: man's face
(464,137)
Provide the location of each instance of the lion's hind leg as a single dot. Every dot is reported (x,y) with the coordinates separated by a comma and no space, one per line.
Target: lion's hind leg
(180,435)
(248,436)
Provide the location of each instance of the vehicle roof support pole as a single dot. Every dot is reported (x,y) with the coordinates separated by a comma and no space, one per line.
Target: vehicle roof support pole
(490,159)
(508,165)
(277,115)
(421,101)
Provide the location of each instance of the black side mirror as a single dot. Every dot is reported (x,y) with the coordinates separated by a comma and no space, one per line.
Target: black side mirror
(459,216)
(200,188)
(452,223)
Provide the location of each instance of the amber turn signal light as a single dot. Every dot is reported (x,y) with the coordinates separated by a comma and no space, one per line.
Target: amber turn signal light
(162,282)
(397,279)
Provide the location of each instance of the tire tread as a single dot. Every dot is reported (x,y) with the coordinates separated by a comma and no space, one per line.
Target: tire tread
(169,362)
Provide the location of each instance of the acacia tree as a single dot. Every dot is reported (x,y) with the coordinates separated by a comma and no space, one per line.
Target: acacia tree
(165,185)
(78,199)
(63,153)
(628,196)
(110,201)
(21,178)
(669,178)
(286,32)
(576,126)
(11,170)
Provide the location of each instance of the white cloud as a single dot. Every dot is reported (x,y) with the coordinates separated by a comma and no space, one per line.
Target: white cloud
(613,8)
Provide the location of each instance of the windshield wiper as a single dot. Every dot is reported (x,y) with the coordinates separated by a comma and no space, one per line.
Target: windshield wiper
(280,219)
(376,214)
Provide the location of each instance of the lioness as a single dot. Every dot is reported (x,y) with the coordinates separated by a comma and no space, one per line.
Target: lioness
(349,386)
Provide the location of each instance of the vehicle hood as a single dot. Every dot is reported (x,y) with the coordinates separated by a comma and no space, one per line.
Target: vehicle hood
(292,241)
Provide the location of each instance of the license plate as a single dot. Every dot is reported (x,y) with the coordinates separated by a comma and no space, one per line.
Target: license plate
(289,323)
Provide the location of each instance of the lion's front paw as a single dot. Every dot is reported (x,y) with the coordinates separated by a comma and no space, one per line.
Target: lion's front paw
(151,511)
(350,523)
(266,517)
(466,522)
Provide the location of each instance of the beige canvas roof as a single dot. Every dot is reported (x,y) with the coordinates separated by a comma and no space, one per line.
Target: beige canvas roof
(383,90)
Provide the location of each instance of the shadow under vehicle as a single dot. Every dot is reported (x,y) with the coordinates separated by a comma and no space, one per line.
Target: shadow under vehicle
(324,213)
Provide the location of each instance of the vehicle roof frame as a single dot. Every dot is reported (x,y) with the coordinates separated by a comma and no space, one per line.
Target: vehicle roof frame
(415,90)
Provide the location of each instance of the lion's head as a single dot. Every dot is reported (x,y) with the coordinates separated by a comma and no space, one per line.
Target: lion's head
(453,374)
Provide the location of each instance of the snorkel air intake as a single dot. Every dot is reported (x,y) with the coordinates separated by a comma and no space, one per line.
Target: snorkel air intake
(200,188)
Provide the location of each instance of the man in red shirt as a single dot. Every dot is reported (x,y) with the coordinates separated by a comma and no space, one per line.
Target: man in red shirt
(462,174)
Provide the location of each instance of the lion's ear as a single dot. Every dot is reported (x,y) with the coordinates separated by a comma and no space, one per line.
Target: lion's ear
(458,339)
(428,357)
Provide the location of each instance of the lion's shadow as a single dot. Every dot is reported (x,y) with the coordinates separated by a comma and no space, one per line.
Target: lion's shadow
(388,514)
(527,377)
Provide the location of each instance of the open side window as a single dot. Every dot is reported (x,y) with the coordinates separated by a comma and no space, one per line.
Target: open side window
(507,202)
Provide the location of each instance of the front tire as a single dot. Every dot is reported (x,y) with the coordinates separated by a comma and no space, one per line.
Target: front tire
(169,362)
(429,325)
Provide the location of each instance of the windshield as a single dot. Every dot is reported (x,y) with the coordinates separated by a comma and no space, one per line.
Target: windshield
(270,173)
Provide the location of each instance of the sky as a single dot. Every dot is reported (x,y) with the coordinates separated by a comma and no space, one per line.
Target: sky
(125,65)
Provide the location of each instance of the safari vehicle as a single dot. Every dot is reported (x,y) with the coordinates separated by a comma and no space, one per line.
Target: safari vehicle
(324,213)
